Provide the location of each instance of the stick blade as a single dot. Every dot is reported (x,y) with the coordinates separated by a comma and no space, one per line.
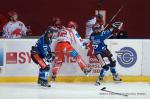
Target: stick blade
(103,88)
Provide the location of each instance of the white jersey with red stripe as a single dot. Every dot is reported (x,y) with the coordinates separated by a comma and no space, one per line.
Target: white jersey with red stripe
(76,38)
(70,35)
(14,30)
(64,36)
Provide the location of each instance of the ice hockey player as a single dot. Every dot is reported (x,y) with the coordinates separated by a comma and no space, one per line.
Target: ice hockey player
(56,24)
(65,40)
(14,28)
(77,40)
(101,51)
(41,55)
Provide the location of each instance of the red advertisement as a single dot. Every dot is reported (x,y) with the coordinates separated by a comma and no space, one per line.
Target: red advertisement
(11,58)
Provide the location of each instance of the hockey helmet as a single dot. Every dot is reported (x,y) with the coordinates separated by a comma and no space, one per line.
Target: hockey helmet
(51,30)
(98,27)
(72,24)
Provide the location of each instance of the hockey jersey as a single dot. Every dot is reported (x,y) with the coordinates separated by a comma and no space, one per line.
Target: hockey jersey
(98,40)
(42,48)
(14,30)
(70,35)
(55,31)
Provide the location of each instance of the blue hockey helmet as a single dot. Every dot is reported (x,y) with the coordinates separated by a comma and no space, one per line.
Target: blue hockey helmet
(98,27)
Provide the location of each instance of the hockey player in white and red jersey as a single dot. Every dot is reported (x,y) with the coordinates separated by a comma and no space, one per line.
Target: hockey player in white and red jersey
(14,28)
(66,39)
(77,40)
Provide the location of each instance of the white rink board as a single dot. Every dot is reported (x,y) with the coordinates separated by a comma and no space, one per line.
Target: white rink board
(24,67)
(146,58)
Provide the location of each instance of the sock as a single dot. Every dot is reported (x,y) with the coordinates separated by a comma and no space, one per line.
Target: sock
(102,73)
(113,70)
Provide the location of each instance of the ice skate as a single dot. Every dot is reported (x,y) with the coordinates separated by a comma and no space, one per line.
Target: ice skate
(87,71)
(43,83)
(98,82)
(53,78)
(116,77)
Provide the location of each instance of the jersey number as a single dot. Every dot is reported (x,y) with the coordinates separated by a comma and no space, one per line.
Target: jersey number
(95,46)
(62,34)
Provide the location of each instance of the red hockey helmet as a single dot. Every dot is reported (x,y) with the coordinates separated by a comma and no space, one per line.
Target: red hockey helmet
(72,24)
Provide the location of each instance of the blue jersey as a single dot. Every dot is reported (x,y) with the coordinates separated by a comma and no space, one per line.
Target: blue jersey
(43,48)
(98,41)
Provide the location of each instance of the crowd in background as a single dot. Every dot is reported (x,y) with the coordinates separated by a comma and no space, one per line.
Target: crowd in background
(11,27)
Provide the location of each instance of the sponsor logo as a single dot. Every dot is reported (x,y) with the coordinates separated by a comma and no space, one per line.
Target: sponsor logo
(126,57)
(18,57)
(11,58)
(93,59)
(1,56)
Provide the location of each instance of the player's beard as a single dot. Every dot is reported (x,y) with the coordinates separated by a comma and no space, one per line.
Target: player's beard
(14,18)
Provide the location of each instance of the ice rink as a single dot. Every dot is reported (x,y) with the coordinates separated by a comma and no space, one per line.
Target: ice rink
(138,90)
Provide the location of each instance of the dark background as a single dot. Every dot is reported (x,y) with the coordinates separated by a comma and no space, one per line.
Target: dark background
(38,13)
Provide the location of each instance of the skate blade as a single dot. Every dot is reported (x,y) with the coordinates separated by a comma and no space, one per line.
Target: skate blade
(44,86)
(97,83)
(117,82)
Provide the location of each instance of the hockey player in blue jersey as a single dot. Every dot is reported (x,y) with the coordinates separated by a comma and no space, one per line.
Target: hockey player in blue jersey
(41,55)
(101,51)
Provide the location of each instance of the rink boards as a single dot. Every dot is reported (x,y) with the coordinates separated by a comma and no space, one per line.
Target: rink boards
(132,58)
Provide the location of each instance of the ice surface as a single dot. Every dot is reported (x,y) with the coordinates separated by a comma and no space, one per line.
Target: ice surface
(138,90)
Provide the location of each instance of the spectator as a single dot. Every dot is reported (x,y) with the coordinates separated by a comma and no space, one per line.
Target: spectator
(122,34)
(56,22)
(14,28)
(89,25)
(3,21)
(97,19)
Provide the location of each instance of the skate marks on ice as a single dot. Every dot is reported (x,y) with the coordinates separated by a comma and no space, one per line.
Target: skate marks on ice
(125,90)
(74,91)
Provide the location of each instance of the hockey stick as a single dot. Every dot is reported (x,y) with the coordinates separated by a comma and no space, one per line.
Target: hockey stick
(114,17)
(104,89)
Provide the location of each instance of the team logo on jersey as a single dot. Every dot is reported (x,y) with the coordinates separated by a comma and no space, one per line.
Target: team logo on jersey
(1,56)
(126,57)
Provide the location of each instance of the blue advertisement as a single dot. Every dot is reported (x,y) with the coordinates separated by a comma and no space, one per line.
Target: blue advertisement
(126,57)
(1,56)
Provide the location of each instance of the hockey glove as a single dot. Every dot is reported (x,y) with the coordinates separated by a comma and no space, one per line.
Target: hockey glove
(117,25)
(50,59)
